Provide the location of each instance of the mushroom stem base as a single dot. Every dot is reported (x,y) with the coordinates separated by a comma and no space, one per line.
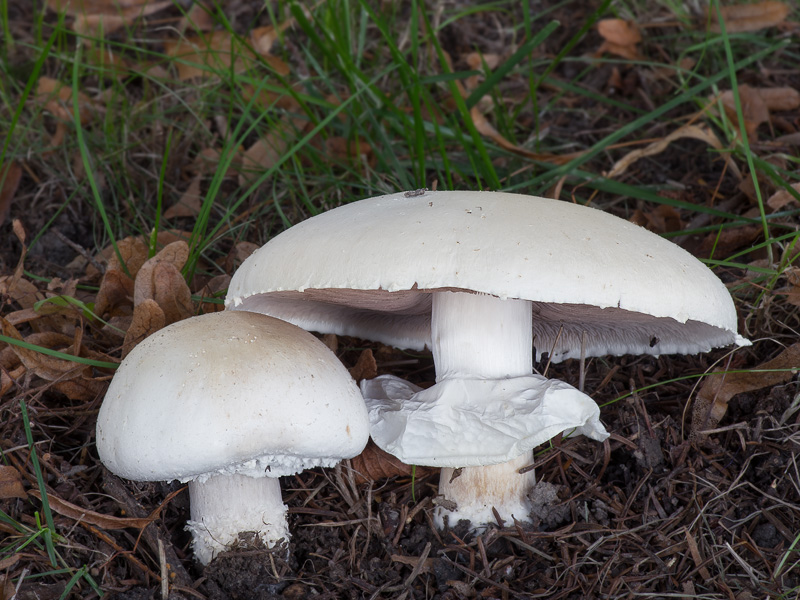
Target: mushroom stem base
(478,490)
(223,506)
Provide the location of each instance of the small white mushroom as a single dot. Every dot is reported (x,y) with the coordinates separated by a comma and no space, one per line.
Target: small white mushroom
(479,278)
(229,402)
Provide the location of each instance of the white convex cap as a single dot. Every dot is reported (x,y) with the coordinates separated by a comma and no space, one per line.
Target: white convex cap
(229,392)
(368,269)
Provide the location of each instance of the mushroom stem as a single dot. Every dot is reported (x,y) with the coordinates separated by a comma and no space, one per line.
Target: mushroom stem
(476,335)
(481,336)
(477,490)
(223,506)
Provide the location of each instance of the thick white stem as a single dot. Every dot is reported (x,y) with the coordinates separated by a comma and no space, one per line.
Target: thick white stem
(479,336)
(476,335)
(478,490)
(223,506)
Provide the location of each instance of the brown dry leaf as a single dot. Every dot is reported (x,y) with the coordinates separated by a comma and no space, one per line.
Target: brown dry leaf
(687,131)
(115,294)
(95,18)
(373,464)
(214,288)
(267,150)
(160,279)
(198,18)
(781,198)
(750,17)
(47,367)
(206,54)
(147,319)
(476,61)
(712,399)
(366,367)
(81,388)
(485,128)
(754,109)
(7,588)
(783,98)
(728,241)
(793,292)
(84,515)
(620,37)
(344,150)
(189,203)
(10,176)
(11,483)
(238,255)
(57,98)
(664,219)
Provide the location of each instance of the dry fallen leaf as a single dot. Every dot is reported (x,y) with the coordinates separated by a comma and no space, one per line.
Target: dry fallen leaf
(663,219)
(782,98)
(749,17)
(190,202)
(207,54)
(373,464)
(620,37)
(781,198)
(754,109)
(485,128)
(147,319)
(717,390)
(160,279)
(793,291)
(11,483)
(366,367)
(687,131)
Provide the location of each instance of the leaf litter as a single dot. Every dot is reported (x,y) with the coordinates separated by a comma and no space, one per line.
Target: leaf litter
(666,507)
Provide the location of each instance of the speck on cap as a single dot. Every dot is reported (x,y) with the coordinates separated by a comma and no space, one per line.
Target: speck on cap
(229,392)
(367,269)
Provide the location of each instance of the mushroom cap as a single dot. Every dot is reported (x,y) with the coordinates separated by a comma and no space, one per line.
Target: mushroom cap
(368,268)
(229,392)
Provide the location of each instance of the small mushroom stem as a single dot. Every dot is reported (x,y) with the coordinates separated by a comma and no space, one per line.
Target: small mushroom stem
(223,506)
(476,336)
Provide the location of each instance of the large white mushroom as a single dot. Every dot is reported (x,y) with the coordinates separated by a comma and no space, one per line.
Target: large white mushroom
(480,278)
(229,402)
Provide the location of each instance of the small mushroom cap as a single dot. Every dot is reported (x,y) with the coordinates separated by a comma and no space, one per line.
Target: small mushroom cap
(229,392)
(367,269)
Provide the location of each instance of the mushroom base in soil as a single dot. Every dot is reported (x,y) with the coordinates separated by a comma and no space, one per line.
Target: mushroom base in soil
(229,402)
(225,507)
(486,412)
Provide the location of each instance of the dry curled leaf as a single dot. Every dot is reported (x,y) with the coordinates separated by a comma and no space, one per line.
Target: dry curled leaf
(11,483)
(207,54)
(84,515)
(366,367)
(717,390)
(189,203)
(373,464)
(160,279)
(782,197)
(754,109)
(147,319)
(687,131)
(47,367)
(749,17)
(620,37)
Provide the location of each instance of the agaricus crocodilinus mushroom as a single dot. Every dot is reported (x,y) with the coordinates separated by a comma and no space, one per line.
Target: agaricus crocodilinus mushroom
(229,402)
(480,278)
